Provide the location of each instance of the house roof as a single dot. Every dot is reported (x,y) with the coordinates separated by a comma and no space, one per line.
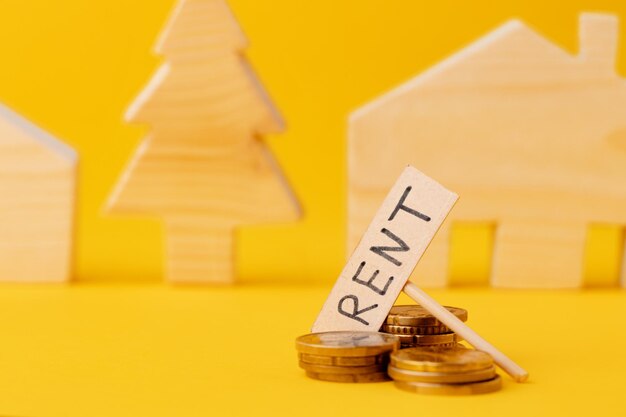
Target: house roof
(507,32)
(37,134)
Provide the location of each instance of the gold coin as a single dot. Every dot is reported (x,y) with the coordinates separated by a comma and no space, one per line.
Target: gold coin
(482,387)
(415,315)
(442,377)
(325,369)
(373,377)
(344,343)
(435,339)
(441,346)
(406,339)
(428,339)
(394,329)
(344,361)
(455,360)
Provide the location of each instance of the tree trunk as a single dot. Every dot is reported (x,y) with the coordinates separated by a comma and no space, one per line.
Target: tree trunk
(199,252)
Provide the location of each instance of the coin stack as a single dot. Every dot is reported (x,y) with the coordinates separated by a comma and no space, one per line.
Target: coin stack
(346,356)
(449,371)
(415,326)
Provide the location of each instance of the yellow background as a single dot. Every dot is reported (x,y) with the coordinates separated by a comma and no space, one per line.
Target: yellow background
(73,66)
(121,343)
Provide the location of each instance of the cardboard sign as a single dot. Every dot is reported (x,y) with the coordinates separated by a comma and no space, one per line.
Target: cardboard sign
(392,245)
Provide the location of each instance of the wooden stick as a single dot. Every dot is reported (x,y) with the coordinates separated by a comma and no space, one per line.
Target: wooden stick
(447,318)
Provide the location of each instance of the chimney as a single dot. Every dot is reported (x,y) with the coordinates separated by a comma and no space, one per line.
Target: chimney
(599,35)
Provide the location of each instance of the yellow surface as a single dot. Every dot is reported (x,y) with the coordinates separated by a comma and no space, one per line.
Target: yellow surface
(149,350)
(73,66)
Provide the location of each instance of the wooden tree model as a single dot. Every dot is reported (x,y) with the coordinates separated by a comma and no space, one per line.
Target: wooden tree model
(203,168)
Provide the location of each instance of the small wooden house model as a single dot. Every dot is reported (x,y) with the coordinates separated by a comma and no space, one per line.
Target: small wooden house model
(38,187)
(531,137)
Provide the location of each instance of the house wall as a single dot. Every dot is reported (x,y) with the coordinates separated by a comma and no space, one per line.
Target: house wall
(37,210)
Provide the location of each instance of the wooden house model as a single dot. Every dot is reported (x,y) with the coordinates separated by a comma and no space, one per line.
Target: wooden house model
(531,137)
(38,188)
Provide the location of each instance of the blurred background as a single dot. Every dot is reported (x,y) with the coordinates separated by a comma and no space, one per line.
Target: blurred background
(73,66)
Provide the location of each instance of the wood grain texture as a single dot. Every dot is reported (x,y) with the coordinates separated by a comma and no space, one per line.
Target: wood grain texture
(204,168)
(532,137)
(381,264)
(38,185)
